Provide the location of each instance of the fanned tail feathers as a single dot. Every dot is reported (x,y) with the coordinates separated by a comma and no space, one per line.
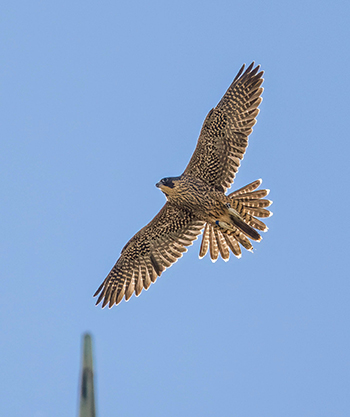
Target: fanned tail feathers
(250,203)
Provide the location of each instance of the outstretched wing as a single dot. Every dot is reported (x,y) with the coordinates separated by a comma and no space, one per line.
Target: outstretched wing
(224,135)
(153,249)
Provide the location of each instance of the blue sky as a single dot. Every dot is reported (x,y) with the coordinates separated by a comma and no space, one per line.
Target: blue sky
(99,100)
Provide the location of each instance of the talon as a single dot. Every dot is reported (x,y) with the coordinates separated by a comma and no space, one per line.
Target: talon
(223,225)
(234,212)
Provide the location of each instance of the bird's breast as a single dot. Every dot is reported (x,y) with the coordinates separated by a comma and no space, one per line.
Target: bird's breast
(198,197)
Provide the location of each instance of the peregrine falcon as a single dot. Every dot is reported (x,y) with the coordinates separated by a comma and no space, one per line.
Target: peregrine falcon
(196,199)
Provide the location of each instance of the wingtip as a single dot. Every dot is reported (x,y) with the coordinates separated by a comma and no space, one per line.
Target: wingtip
(250,67)
(105,302)
(99,289)
(100,298)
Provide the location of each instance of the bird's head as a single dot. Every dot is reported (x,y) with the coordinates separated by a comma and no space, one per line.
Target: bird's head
(168,185)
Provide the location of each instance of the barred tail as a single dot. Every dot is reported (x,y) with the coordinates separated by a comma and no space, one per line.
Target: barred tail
(249,203)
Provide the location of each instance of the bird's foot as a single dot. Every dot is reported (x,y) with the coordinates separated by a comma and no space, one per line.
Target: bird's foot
(223,225)
(232,210)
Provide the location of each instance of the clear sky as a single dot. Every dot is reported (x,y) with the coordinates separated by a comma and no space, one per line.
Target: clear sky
(99,100)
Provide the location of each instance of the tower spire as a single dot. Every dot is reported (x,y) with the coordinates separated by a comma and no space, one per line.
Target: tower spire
(87,395)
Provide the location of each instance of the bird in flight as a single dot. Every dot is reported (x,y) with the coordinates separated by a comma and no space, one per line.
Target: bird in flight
(196,199)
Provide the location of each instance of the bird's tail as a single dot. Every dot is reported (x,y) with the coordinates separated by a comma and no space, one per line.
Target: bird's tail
(249,203)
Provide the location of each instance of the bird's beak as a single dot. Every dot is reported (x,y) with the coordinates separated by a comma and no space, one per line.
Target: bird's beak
(158,184)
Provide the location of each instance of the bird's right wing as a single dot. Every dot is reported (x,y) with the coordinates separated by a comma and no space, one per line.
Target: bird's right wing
(153,249)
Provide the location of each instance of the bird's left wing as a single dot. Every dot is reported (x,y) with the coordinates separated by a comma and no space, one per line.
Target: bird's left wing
(153,249)
(224,136)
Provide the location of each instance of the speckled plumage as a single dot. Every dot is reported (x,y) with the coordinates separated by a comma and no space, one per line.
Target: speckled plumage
(196,199)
